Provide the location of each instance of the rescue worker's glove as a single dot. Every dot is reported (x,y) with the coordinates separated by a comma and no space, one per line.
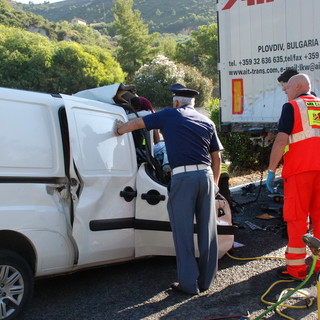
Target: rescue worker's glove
(270,181)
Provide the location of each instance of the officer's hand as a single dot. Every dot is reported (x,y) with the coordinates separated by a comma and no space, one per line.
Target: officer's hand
(270,181)
(117,125)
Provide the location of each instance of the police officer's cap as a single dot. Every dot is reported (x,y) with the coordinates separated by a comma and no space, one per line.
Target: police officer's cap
(180,90)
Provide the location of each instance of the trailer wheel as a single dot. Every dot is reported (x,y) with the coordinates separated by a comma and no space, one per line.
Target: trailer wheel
(16,284)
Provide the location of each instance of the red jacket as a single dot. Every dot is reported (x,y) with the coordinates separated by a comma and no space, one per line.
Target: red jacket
(304,140)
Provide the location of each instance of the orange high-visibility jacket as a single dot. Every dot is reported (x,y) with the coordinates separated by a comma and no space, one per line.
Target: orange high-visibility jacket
(304,140)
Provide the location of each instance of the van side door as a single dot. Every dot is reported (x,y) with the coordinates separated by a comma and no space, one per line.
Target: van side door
(153,235)
(103,182)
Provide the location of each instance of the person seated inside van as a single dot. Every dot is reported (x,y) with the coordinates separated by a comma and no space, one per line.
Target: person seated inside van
(160,154)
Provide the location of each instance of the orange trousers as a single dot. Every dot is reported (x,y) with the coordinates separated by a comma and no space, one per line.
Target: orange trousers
(301,206)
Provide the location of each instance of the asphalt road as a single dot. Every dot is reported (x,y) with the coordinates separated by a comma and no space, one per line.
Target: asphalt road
(141,289)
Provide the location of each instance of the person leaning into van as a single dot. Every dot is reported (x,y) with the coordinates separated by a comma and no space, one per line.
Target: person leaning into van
(141,103)
(193,149)
(298,142)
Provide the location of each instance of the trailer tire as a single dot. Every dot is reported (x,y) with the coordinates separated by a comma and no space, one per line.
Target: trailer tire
(16,284)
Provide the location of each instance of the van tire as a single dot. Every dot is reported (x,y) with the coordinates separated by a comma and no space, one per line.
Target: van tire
(15,275)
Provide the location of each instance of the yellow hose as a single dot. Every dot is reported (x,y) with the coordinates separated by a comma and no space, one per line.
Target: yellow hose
(256,258)
(280,300)
(277,305)
(309,304)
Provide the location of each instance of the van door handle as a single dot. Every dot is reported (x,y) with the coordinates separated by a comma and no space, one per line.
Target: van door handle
(153,197)
(128,194)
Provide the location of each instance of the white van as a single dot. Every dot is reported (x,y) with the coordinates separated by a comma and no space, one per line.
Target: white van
(72,195)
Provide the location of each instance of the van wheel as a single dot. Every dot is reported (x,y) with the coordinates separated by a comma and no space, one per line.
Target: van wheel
(16,284)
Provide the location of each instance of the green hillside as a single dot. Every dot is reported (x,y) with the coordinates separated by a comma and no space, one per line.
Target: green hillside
(164,16)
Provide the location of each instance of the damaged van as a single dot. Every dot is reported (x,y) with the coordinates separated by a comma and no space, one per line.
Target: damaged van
(74,196)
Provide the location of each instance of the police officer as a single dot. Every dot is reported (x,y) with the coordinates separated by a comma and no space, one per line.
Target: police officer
(298,139)
(193,149)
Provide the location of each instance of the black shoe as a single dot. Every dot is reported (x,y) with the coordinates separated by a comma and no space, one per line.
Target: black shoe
(175,287)
(283,274)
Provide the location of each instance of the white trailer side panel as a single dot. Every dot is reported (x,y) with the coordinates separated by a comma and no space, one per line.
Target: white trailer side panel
(258,40)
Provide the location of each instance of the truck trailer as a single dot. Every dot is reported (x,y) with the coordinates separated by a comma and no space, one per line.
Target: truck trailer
(258,40)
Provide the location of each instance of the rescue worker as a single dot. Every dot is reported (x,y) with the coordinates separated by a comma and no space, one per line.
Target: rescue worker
(298,141)
(193,149)
(285,76)
(224,189)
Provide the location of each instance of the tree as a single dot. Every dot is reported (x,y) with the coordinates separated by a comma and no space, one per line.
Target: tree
(86,35)
(76,68)
(30,61)
(153,81)
(134,42)
(194,79)
(11,17)
(112,72)
(60,31)
(201,51)
(168,46)
(25,59)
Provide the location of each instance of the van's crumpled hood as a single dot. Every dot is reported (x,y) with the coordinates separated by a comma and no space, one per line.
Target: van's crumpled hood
(103,94)
(110,94)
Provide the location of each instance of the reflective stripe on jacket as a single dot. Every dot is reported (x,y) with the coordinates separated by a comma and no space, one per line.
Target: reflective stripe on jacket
(224,168)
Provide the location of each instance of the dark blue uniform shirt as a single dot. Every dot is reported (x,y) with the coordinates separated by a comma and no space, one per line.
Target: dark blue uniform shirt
(189,135)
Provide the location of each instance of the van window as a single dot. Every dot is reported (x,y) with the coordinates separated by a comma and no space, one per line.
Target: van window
(99,150)
(28,140)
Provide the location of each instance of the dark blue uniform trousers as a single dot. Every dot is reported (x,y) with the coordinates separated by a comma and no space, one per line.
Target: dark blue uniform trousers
(192,195)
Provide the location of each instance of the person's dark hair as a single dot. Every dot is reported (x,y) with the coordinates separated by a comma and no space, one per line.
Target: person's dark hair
(135,102)
(286,75)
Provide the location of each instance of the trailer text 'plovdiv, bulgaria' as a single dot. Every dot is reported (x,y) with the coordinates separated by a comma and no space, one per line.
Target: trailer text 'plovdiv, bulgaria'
(258,40)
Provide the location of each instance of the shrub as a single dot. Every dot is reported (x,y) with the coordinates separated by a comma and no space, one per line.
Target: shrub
(25,59)
(153,81)
(244,155)
(194,79)
(32,62)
